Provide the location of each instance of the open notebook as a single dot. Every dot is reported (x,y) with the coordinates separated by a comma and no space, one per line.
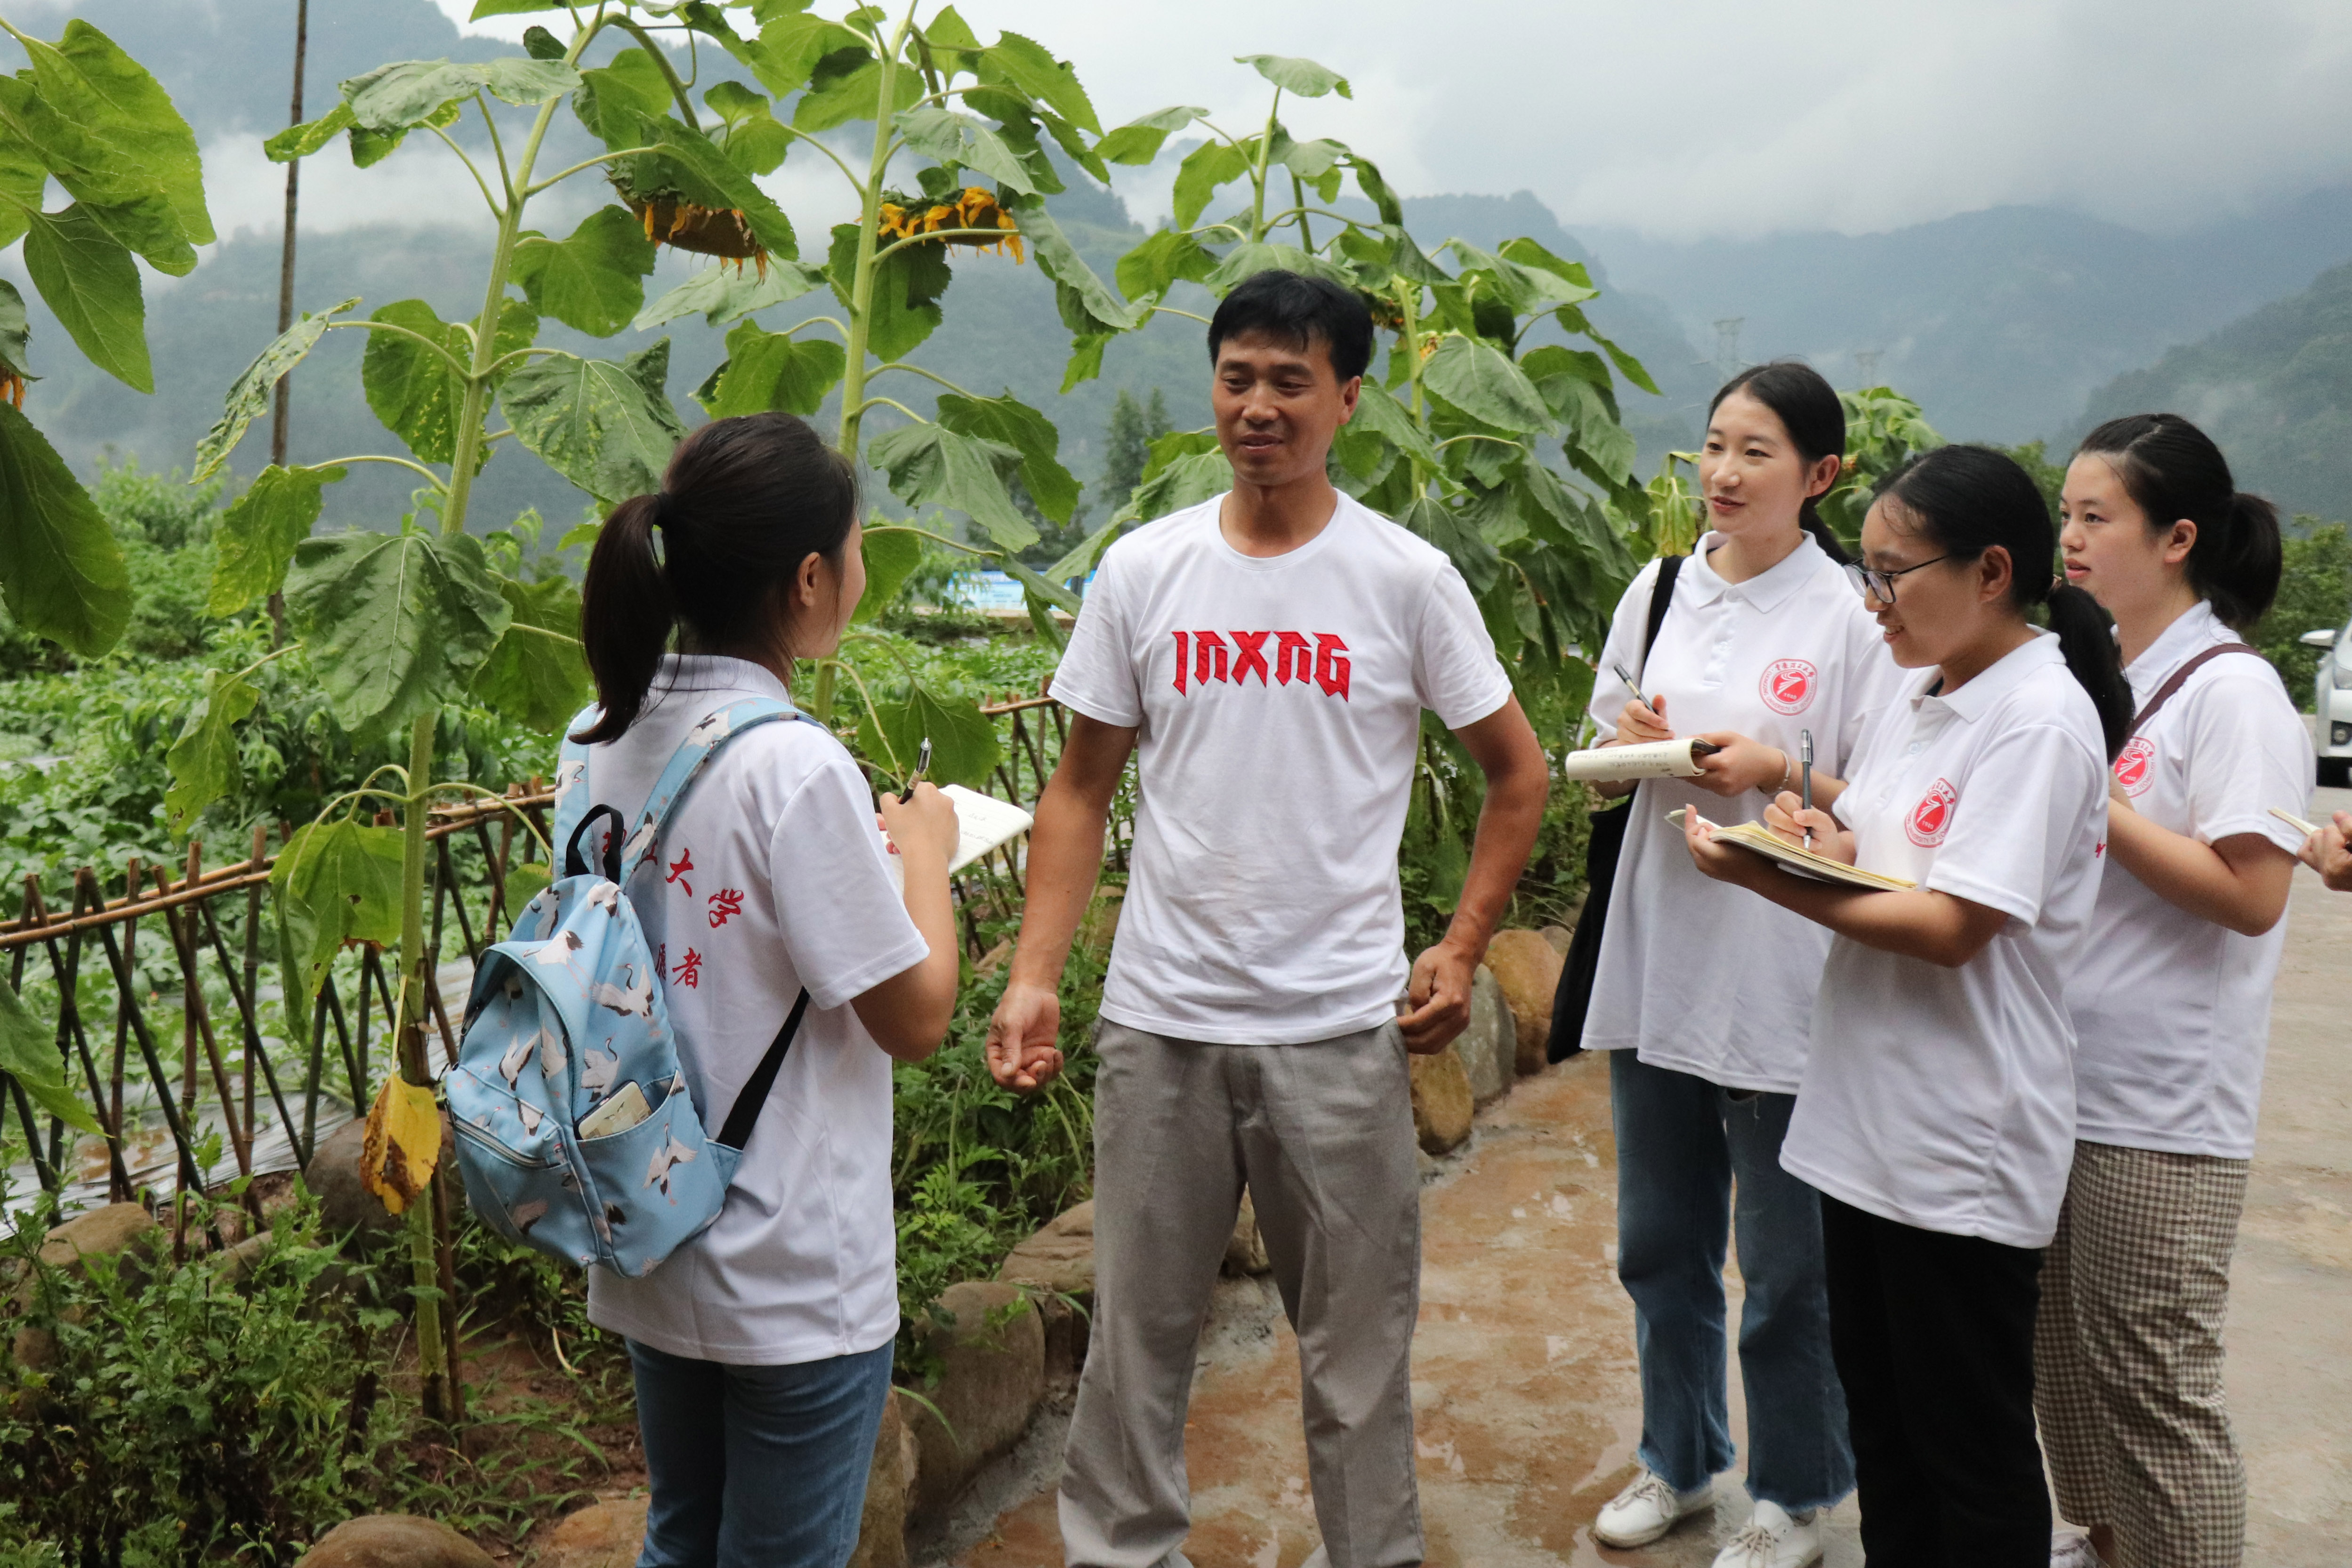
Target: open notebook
(1676,759)
(1760,839)
(982,823)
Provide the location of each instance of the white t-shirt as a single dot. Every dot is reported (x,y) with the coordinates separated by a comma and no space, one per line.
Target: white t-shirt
(1277,704)
(1944,1098)
(770,878)
(1694,975)
(2173,1012)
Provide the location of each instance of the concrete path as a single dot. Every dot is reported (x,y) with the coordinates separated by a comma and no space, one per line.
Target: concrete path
(1528,1409)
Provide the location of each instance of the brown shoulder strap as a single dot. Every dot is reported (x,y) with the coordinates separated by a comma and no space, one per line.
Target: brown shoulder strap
(2180,676)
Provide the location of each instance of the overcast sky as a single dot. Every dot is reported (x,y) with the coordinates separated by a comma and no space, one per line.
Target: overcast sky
(1724,118)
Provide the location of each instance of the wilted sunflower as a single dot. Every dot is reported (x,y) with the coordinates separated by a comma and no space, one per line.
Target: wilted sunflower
(682,225)
(973,208)
(12,387)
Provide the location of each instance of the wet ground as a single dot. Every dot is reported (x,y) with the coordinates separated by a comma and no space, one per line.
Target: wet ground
(1527,1406)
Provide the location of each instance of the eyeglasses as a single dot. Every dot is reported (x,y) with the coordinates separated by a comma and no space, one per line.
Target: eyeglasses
(1880,585)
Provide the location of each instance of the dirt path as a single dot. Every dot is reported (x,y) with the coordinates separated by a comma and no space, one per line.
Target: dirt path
(1527,1406)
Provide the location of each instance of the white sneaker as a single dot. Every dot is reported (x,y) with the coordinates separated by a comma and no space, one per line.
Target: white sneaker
(1646,1510)
(1774,1539)
(2069,1549)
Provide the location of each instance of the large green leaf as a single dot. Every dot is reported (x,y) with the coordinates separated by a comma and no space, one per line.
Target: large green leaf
(611,99)
(892,556)
(301,140)
(904,307)
(1379,413)
(1471,556)
(775,371)
(1481,381)
(1206,167)
(339,882)
(837,97)
(255,539)
(755,142)
(413,390)
(1011,423)
(609,428)
(592,281)
(790,45)
(715,181)
(411,92)
(251,391)
(512,7)
(538,675)
(1025,65)
(394,624)
(930,465)
(964,748)
(60,570)
(962,141)
(22,176)
(1087,303)
(1526,288)
(148,228)
(107,129)
(29,1054)
(728,292)
(1251,257)
(87,278)
(1301,76)
(1153,267)
(204,760)
(1139,140)
(1187,481)
(15,336)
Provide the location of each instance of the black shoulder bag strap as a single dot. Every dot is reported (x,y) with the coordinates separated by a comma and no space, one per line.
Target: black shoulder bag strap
(2179,678)
(1604,843)
(746,1110)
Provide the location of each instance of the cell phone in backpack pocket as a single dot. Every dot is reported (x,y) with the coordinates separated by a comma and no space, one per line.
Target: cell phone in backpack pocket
(622,1109)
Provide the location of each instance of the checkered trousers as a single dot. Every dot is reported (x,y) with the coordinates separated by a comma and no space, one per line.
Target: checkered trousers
(2128,1355)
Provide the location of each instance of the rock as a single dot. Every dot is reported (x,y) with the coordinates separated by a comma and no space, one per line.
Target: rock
(238,1261)
(1441,1101)
(1559,936)
(1529,971)
(1246,1249)
(996,957)
(333,1177)
(122,1231)
(394,1541)
(992,1377)
(606,1534)
(1060,1257)
(889,1486)
(1490,1047)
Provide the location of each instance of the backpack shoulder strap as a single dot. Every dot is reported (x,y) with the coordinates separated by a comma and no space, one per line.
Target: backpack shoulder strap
(572,797)
(702,743)
(2179,678)
(1661,599)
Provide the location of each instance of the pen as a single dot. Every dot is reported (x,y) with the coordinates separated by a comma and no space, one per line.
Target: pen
(922,765)
(1631,682)
(1805,761)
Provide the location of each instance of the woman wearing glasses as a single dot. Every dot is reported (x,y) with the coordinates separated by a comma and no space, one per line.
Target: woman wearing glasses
(2172,1000)
(1705,996)
(1936,1112)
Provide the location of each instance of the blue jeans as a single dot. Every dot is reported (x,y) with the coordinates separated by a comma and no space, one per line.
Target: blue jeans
(1681,1143)
(756,1466)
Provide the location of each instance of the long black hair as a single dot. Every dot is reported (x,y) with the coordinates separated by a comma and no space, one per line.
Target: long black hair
(745,501)
(1968,500)
(1809,409)
(2173,471)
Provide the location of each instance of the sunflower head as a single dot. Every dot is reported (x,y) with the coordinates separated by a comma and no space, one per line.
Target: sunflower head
(12,387)
(974,207)
(681,224)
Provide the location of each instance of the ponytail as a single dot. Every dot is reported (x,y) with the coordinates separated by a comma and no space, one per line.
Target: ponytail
(1970,499)
(1809,410)
(744,503)
(2174,472)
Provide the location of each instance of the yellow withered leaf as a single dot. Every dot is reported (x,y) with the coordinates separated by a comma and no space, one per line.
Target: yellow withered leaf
(404,1142)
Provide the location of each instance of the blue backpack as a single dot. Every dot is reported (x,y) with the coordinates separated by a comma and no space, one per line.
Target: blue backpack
(566,1014)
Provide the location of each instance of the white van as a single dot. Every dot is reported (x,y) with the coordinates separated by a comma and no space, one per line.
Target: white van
(2331,700)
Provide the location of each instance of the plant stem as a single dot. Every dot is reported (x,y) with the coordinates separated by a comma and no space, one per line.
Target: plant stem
(433,1351)
(1257,175)
(1408,344)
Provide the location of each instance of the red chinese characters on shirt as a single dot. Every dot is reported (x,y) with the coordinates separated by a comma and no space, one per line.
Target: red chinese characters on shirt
(1787,685)
(1931,819)
(1317,658)
(688,972)
(2136,766)
(725,904)
(678,868)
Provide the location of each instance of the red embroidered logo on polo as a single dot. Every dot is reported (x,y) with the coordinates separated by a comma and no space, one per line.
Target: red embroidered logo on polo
(1932,817)
(2135,765)
(1788,686)
(1320,657)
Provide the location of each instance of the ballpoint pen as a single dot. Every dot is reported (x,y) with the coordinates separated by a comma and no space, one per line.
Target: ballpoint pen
(922,765)
(1631,683)
(1805,761)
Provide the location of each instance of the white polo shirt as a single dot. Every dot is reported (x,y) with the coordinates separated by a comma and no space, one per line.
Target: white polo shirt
(1944,1098)
(769,878)
(1695,975)
(2172,1012)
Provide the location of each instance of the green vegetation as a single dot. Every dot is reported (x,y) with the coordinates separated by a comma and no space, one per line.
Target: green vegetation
(2315,591)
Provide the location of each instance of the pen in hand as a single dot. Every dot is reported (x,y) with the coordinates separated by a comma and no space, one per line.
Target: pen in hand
(1805,763)
(1633,684)
(922,765)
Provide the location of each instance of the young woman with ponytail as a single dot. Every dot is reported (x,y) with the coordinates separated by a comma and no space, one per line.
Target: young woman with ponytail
(1936,1116)
(1705,996)
(761,1348)
(2171,1000)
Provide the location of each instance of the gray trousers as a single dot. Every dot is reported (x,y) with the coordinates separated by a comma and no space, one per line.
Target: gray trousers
(1321,1133)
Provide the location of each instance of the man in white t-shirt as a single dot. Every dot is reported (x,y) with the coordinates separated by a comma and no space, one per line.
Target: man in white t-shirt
(1266,656)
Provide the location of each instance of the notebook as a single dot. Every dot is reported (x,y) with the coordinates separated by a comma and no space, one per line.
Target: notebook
(982,821)
(1760,839)
(1676,759)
